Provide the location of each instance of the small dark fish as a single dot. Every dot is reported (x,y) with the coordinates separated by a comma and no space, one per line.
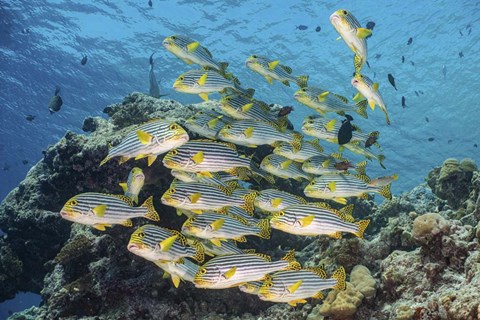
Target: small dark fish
(370,25)
(475,145)
(403,102)
(431,139)
(378,56)
(344,165)
(391,79)
(302,27)
(154,89)
(449,141)
(460,32)
(318,29)
(416,93)
(371,140)
(469,31)
(403,59)
(426,119)
(410,40)
(368,64)
(345,132)
(421,92)
(444,71)
(25,162)
(460,54)
(150,4)
(55,102)
(30,117)
(284,111)
(6,167)
(84,60)
(374,74)
(412,63)
(26,31)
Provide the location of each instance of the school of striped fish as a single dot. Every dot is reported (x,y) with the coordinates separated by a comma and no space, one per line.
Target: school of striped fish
(213,178)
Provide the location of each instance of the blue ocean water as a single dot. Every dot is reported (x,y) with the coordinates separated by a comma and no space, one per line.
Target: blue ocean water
(43,41)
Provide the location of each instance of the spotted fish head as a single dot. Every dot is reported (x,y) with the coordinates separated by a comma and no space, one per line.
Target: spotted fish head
(138,244)
(207,277)
(172,160)
(256,62)
(72,211)
(191,226)
(340,19)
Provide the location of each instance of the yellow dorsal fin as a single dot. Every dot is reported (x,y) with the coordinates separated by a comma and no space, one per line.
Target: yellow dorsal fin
(204,96)
(362,33)
(216,242)
(144,137)
(191,47)
(151,159)
(166,244)
(273,64)
(212,123)
(276,202)
(318,271)
(322,96)
(330,125)
(358,97)
(306,221)
(203,79)
(332,186)
(124,186)
(194,197)
(217,224)
(100,210)
(294,287)
(230,273)
(284,165)
(248,132)
(375,86)
(247,107)
(326,163)
(198,157)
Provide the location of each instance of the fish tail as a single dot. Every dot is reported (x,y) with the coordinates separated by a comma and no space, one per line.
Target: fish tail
(361,168)
(57,90)
(199,251)
(362,225)
(297,141)
(385,192)
(293,264)
(362,108)
(386,116)
(302,81)
(340,276)
(248,202)
(151,213)
(264,226)
(358,63)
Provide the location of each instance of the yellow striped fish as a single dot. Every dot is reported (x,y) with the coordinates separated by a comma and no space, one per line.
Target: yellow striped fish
(134,184)
(294,286)
(228,247)
(156,243)
(251,287)
(148,141)
(104,210)
(307,150)
(273,200)
(357,148)
(234,270)
(273,70)
(324,101)
(353,34)
(283,167)
(183,269)
(315,219)
(207,123)
(338,187)
(216,227)
(320,165)
(253,133)
(369,90)
(203,82)
(190,51)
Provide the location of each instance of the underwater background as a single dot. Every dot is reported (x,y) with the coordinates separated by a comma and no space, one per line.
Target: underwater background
(43,42)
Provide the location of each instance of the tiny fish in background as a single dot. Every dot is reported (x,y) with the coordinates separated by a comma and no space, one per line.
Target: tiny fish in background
(84,60)
(150,4)
(345,131)
(318,29)
(285,110)
(431,139)
(444,71)
(403,59)
(469,31)
(449,141)
(25,161)
(460,54)
(475,145)
(301,27)
(368,64)
(153,90)
(460,32)
(403,102)
(416,93)
(30,117)
(421,92)
(426,119)
(378,56)
(391,79)
(410,40)
(26,31)
(412,63)
(56,101)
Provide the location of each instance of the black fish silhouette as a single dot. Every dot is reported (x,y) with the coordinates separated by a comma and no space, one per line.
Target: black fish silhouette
(284,111)
(370,25)
(302,27)
(403,102)
(56,101)
(344,134)
(84,60)
(30,117)
(150,4)
(318,29)
(460,54)
(391,79)
(403,59)
(410,40)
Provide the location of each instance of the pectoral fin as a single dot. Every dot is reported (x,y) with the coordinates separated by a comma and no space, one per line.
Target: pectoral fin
(216,225)
(191,47)
(230,273)
(124,186)
(294,287)
(151,159)
(248,132)
(203,79)
(166,244)
(322,96)
(276,202)
(273,64)
(194,197)
(204,96)
(306,221)
(362,33)
(247,107)
(216,242)
(198,157)
(100,210)
(144,137)
(332,186)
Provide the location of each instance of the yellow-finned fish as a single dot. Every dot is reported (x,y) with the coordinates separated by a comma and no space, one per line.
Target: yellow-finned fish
(236,269)
(315,219)
(294,286)
(203,82)
(251,287)
(307,150)
(383,181)
(324,101)
(227,247)
(273,70)
(353,34)
(104,210)
(272,200)
(183,269)
(155,243)
(148,141)
(134,184)
(283,167)
(190,51)
(368,89)
(338,187)
(206,123)
(319,165)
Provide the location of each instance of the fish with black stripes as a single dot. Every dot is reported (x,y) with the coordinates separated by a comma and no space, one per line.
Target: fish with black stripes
(367,89)
(207,123)
(273,70)
(283,167)
(308,149)
(134,184)
(272,200)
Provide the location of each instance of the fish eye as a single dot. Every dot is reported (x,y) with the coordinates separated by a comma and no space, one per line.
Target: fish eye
(281,213)
(254,57)
(174,152)
(312,183)
(173,37)
(173,126)
(268,284)
(72,202)
(304,89)
(182,78)
(203,271)
(172,190)
(141,235)
(345,12)
(193,219)
(228,126)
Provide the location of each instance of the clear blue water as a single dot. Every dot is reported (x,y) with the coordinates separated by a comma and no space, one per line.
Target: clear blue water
(119,36)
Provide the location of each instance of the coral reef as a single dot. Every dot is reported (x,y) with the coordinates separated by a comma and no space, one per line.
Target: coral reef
(420,258)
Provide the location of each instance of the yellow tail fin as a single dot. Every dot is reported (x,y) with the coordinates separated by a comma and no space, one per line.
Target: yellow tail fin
(151,213)
(264,226)
(292,263)
(340,276)
(200,251)
(362,225)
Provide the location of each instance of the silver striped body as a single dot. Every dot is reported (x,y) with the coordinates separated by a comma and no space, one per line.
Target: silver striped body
(278,291)
(307,150)
(274,164)
(217,156)
(188,82)
(242,214)
(359,149)
(207,123)
(234,104)
(330,102)
(145,242)
(228,247)
(118,210)
(346,185)
(259,64)
(164,139)
(182,195)
(273,200)
(325,221)
(216,179)
(364,85)
(200,226)
(251,287)
(177,44)
(249,267)
(184,269)
(321,164)
(261,133)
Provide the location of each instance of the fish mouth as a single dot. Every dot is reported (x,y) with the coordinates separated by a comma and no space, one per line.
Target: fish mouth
(335,18)
(133,247)
(355,82)
(166,43)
